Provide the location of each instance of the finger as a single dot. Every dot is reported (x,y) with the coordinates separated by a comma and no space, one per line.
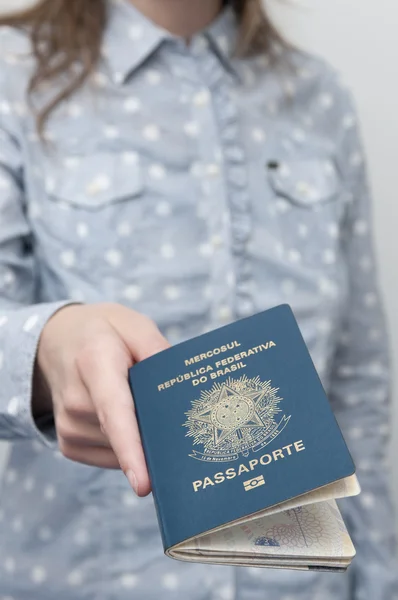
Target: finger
(103,458)
(139,333)
(111,395)
(75,431)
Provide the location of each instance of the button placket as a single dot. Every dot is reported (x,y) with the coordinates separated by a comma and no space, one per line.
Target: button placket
(214,186)
(236,300)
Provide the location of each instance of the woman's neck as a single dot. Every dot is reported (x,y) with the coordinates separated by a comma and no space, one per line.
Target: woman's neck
(183,18)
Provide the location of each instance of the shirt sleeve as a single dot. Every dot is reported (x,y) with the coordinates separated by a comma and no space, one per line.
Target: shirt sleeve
(360,388)
(21,319)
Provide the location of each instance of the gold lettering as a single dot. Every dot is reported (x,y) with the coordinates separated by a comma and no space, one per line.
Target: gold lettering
(263,457)
(251,465)
(167,384)
(272,344)
(161,387)
(277,454)
(287,448)
(299,446)
(211,353)
(207,481)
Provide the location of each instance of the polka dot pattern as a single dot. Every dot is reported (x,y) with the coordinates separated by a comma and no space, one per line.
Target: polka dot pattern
(157,171)
(114,257)
(30,323)
(82,230)
(242,197)
(75,578)
(191,129)
(128,581)
(151,133)
(132,105)
(38,575)
(170,581)
(50,492)
(68,258)
(14,406)
(81,537)
(133,292)
(167,251)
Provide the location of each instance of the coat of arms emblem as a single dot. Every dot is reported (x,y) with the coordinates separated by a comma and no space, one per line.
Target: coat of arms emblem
(234,418)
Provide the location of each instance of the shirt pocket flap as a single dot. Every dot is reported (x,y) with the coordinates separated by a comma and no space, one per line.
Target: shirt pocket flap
(97,180)
(305,182)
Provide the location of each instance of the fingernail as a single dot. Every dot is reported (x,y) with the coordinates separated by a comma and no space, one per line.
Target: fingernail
(132,480)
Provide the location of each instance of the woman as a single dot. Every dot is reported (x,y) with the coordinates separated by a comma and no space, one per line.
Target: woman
(173,163)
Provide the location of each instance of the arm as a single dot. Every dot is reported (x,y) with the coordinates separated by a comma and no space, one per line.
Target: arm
(72,362)
(360,384)
(21,321)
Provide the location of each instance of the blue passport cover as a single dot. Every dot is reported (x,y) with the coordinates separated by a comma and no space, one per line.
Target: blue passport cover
(233,422)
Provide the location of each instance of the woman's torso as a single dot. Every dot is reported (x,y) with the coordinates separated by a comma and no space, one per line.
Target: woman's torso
(197,189)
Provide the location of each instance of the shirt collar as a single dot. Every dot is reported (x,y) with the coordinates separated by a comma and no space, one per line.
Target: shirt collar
(223,35)
(131,38)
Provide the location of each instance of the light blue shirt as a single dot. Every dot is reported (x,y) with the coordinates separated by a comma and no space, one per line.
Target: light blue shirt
(198,189)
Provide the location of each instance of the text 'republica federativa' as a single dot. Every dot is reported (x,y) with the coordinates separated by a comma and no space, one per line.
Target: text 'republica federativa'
(219,368)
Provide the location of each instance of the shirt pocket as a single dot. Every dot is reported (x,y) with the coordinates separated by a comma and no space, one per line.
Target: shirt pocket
(307,183)
(96,181)
(308,205)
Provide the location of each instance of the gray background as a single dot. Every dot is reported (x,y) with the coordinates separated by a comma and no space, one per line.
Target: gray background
(359,38)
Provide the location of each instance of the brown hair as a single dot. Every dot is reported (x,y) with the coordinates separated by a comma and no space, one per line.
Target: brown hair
(66,33)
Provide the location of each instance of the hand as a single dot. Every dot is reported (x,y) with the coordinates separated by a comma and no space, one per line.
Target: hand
(83,358)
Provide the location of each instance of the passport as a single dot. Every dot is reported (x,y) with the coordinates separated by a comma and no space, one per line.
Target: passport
(245,456)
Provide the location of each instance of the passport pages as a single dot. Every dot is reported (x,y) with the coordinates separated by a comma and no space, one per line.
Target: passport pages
(245,456)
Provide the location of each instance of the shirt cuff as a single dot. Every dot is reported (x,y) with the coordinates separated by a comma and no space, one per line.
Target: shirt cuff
(20,333)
